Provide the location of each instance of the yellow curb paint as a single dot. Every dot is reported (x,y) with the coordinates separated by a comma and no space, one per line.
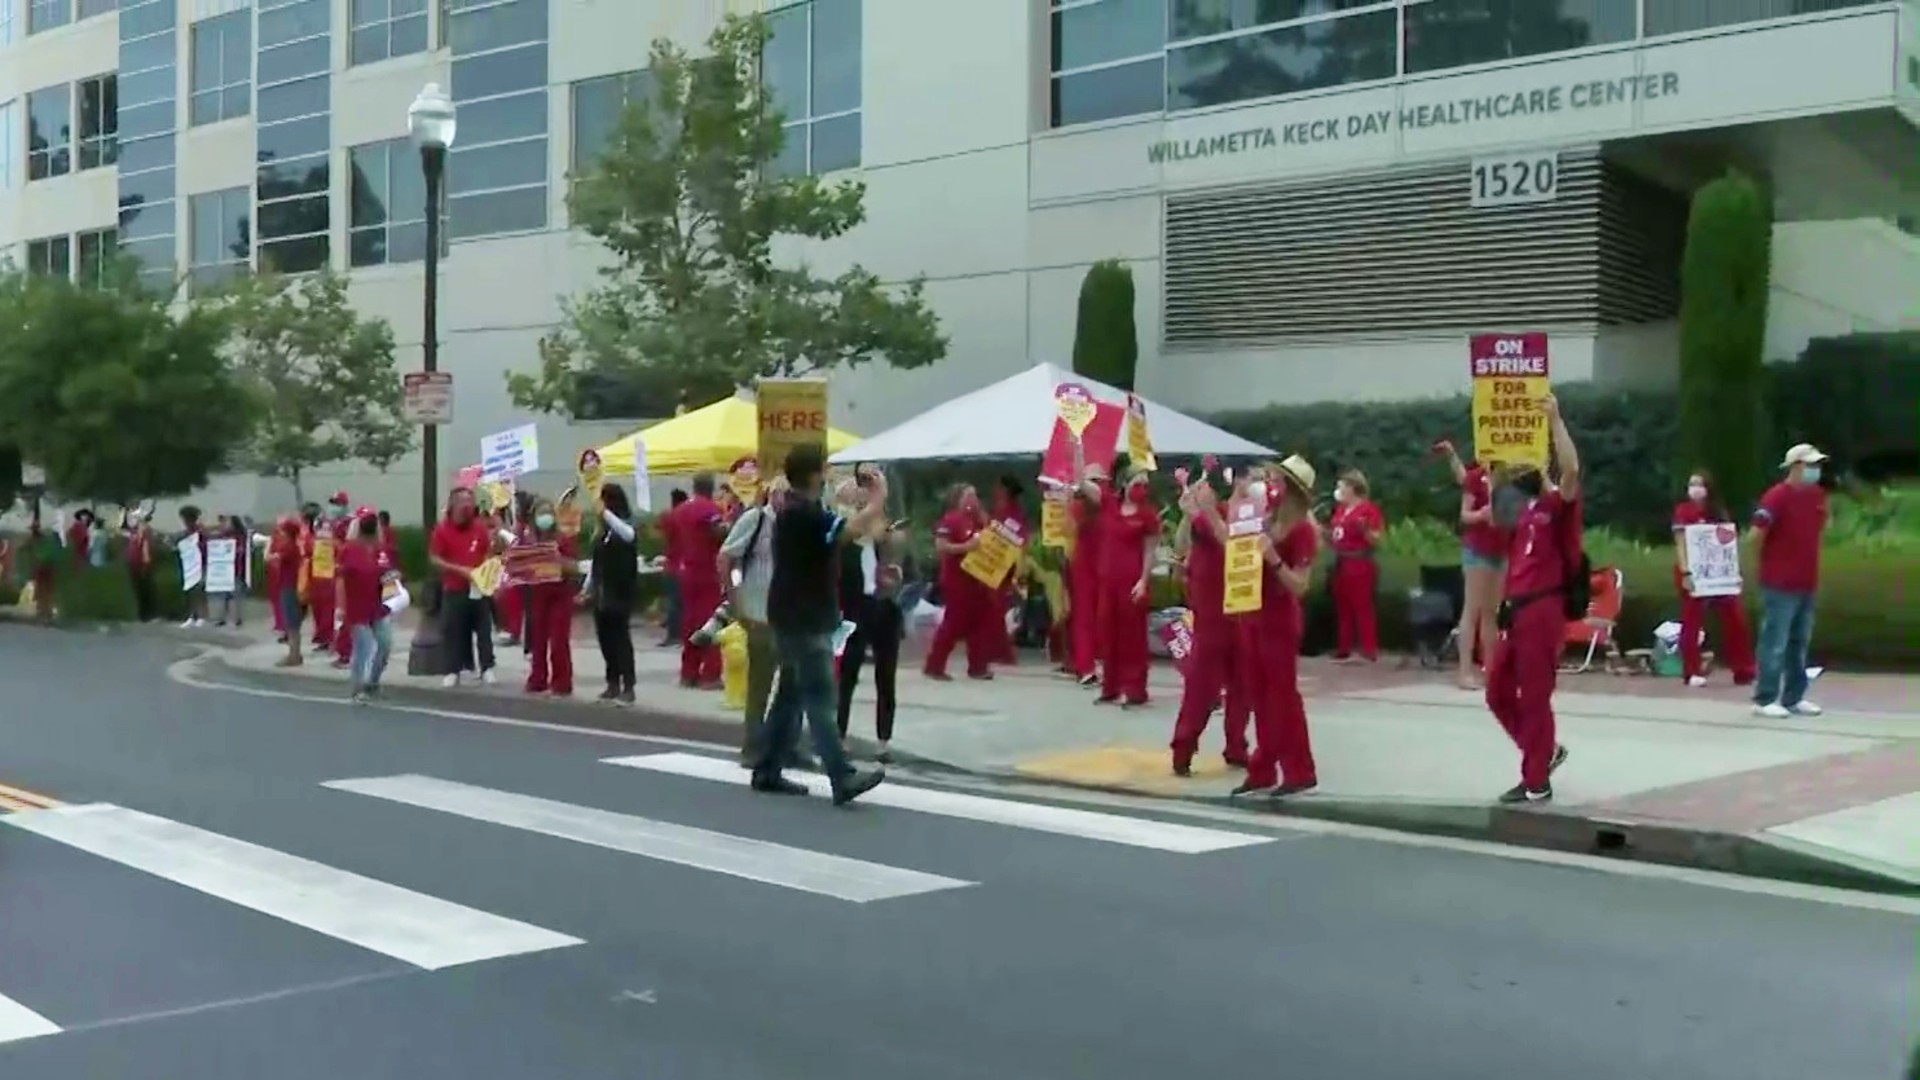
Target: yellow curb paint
(1132,768)
(26,799)
(15,806)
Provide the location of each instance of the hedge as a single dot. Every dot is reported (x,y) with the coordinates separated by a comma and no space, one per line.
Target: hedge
(1723,329)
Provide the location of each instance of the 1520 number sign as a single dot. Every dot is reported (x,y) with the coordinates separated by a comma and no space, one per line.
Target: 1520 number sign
(1514,179)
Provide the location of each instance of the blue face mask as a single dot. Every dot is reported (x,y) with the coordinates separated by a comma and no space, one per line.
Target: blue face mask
(1810,474)
(543,522)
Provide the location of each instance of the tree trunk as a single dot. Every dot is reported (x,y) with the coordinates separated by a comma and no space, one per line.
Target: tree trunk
(299,493)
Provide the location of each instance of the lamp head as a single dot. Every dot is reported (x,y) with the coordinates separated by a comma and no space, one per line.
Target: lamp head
(430,118)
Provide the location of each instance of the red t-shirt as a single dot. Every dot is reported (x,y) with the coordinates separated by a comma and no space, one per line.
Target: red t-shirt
(1484,538)
(1537,562)
(697,531)
(78,539)
(1206,573)
(1088,532)
(359,570)
(1350,525)
(460,545)
(140,548)
(1124,539)
(285,552)
(1280,610)
(1792,516)
(955,527)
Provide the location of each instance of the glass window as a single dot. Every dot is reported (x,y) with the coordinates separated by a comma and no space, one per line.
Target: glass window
(139,155)
(95,257)
(49,132)
(294,139)
(1108,30)
(597,106)
(1445,34)
(295,22)
(90,8)
(524,210)
(9,139)
(155,256)
(99,103)
(146,54)
(1205,18)
(52,256)
(294,217)
(1285,60)
(222,67)
(502,119)
(47,14)
(490,168)
(6,22)
(222,236)
(498,26)
(139,20)
(141,189)
(303,255)
(293,100)
(811,69)
(383,29)
(291,179)
(1110,92)
(389,205)
(500,73)
(294,61)
(1680,16)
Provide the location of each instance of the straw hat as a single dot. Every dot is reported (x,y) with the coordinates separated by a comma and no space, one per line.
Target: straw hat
(1299,473)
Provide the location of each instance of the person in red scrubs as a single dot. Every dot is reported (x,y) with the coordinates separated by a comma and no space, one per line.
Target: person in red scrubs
(550,594)
(1130,527)
(1083,573)
(1545,552)
(1483,562)
(1007,510)
(698,529)
(1282,762)
(361,581)
(1703,507)
(1214,668)
(329,536)
(1354,533)
(966,603)
(510,603)
(80,536)
(285,551)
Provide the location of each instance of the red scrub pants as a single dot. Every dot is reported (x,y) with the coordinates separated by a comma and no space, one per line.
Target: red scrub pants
(1284,750)
(550,638)
(700,598)
(966,616)
(1084,627)
(510,604)
(1123,622)
(1736,641)
(1355,580)
(343,644)
(273,594)
(320,600)
(1215,667)
(1520,682)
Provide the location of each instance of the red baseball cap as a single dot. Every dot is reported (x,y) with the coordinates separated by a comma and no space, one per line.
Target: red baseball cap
(339,498)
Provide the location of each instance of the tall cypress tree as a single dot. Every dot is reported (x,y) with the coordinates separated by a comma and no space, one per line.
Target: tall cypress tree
(1724,279)
(1105,344)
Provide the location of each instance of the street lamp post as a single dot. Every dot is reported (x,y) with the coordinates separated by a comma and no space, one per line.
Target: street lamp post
(431,120)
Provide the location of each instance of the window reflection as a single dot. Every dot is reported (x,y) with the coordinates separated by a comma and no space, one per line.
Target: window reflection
(1445,34)
(1287,60)
(811,69)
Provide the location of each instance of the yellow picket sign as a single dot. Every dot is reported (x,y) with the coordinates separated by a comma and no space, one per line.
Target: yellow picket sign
(1139,442)
(486,577)
(322,559)
(1243,572)
(995,557)
(1056,525)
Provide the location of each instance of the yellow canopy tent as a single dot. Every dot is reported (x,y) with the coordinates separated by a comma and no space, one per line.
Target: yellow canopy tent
(704,440)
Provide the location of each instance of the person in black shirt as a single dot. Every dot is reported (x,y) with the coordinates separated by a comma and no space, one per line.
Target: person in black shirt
(612,585)
(804,611)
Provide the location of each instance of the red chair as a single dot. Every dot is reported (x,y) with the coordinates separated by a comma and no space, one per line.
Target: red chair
(1595,633)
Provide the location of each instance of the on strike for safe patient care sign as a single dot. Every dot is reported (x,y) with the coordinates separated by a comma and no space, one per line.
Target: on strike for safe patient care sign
(1509,379)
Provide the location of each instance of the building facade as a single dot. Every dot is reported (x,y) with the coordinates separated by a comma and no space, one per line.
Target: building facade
(1318,198)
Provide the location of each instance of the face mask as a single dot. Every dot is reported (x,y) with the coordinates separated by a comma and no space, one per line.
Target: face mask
(1698,493)
(1138,494)
(1529,484)
(1257,490)
(1342,495)
(336,512)
(543,521)
(1810,474)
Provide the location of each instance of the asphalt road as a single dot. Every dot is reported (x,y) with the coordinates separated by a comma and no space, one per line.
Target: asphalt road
(437,941)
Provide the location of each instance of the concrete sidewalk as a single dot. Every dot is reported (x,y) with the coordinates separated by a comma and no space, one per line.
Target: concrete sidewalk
(1657,771)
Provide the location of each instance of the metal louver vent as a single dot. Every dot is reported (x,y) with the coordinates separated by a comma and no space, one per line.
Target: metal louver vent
(1400,252)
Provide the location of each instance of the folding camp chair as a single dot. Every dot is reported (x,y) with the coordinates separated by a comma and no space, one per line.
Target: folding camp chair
(1596,632)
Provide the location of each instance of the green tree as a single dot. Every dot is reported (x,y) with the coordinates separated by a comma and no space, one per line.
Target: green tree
(1724,278)
(117,398)
(9,476)
(689,204)
(324,379)
(1106,347)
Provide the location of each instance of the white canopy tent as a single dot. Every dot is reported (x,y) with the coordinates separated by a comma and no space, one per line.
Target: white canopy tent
(1014,418)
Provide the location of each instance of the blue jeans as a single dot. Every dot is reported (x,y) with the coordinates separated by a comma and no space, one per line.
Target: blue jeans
(290,611)
(1786,626)
(807,684)
(371,645)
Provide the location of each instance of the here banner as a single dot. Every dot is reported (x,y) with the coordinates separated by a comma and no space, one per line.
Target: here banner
(792,413)
(1510,376)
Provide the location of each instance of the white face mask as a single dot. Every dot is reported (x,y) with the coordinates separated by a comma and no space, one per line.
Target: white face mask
(1258,490)
(1697,492)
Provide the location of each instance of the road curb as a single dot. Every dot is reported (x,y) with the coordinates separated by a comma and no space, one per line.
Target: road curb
(1550,828)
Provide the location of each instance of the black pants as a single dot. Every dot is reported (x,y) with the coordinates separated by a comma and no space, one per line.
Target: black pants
(466,625)
(145,607)
(877,631)
(616,647)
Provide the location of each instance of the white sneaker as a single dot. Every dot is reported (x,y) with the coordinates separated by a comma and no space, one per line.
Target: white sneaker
(450,681)
(1808,708)
(1696,681)
(1775,711)
(487,677)
(189,624)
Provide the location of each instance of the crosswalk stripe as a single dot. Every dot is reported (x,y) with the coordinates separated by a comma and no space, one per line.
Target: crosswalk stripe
(754,860)
(387,919)
(1086,824)
(19,1022)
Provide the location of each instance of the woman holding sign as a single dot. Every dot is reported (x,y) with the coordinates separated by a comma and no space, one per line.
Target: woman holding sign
(1215,667)
(546,560)
(1130,534)
(967,602)
(1703,508)
(1283,757)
